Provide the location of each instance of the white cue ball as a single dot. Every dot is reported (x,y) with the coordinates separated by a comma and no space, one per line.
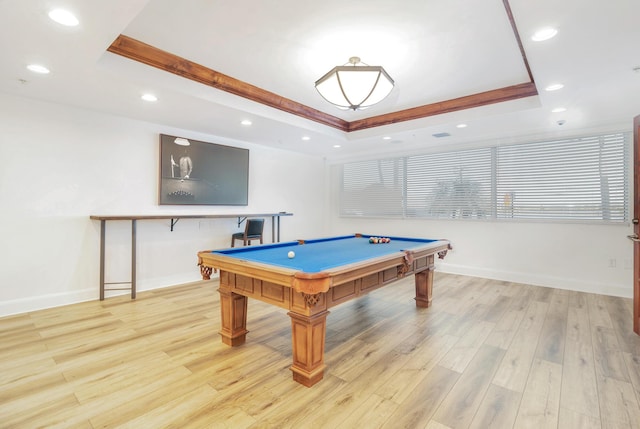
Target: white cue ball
(291,254)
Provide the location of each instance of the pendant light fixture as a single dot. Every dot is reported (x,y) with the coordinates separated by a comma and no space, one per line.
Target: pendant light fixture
(355,86)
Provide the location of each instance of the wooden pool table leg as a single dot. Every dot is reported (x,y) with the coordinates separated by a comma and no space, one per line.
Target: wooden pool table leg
(424,285)
(233,312)
(308,335)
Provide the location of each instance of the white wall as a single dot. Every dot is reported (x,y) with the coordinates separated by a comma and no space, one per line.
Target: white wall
(60,165)
(584,257)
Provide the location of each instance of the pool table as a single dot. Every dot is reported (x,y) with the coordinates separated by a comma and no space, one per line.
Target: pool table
(321,274)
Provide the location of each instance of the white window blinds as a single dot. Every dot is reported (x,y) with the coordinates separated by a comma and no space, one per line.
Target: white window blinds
(373,188)
(450,185)
(583,178)
(573,179)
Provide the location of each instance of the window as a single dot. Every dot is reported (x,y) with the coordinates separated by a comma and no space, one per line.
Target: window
(450,185)
(582,178)
(373,188)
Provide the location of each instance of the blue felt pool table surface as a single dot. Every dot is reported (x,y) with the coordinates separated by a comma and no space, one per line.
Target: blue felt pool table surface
(323,254)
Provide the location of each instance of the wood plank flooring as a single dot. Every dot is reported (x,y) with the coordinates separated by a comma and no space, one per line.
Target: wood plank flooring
(487,354)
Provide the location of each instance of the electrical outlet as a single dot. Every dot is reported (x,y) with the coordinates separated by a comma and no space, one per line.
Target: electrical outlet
(612,263)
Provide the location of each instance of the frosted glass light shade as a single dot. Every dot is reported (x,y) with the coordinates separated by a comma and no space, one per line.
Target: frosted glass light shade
(353,86)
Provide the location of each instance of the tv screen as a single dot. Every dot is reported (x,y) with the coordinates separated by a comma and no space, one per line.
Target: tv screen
(200,173)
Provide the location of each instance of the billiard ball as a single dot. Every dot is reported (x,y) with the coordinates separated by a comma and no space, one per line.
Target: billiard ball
(291,254)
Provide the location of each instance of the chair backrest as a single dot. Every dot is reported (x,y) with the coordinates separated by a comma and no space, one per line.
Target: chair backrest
(254,227)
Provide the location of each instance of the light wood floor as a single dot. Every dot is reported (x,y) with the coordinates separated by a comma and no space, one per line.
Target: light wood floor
(487,354)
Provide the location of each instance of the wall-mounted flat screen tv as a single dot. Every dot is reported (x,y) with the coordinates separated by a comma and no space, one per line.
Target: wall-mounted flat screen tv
(200,173)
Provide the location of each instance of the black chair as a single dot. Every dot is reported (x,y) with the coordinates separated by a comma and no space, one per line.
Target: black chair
(252,231)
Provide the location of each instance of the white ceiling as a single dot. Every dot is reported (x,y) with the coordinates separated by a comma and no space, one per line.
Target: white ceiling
(435,50)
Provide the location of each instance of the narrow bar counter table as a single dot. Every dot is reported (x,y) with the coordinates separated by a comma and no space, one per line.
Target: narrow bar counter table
(275,237)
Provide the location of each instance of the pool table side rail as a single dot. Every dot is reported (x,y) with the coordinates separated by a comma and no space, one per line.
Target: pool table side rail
(313,283)
(356,270)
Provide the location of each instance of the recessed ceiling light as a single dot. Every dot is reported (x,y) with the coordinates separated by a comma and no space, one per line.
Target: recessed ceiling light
(64,17)
(386,138)
(544,34)
(554,87)
(461,126)
(306,138)
(336,146)
(149,97)
(246,122)
(559,109)
(37,68)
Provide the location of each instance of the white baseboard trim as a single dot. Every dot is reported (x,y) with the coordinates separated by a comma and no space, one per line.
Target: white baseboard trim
(625,291)
(41,302)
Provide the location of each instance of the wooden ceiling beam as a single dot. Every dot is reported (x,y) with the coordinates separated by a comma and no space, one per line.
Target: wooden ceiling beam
(139,51)
(152,56)
(467,102)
